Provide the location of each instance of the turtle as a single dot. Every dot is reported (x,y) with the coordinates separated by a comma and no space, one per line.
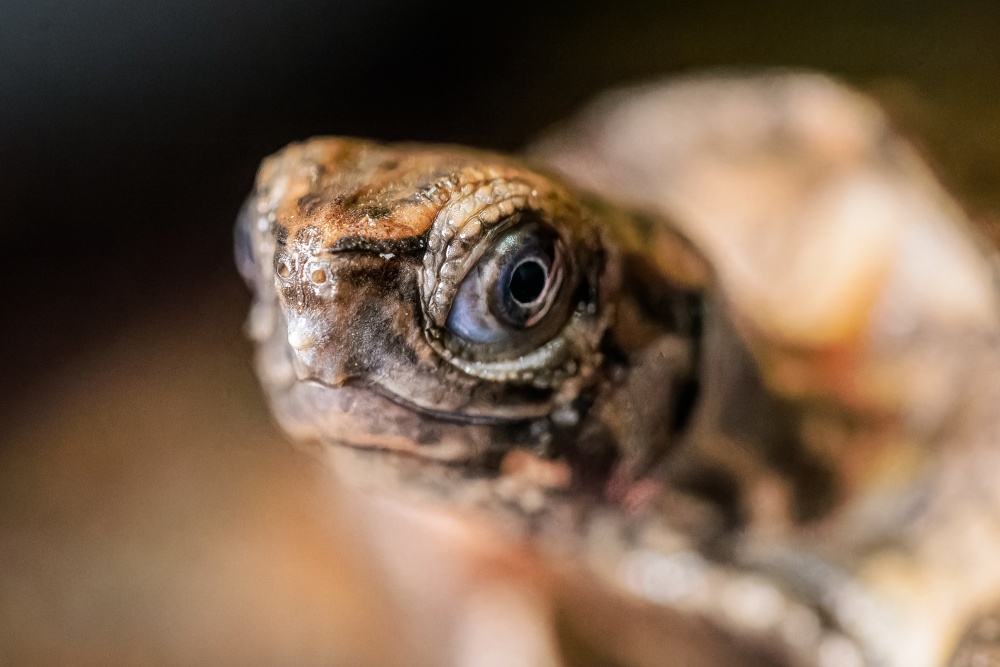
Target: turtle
(726,327)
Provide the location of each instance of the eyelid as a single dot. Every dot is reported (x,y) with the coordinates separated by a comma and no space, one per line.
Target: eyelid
(460,234)
(545,355)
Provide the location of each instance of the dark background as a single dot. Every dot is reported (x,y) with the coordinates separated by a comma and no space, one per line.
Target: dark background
(149,511)
(130,131)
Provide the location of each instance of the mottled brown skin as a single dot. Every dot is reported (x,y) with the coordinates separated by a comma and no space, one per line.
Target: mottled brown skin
(785,364)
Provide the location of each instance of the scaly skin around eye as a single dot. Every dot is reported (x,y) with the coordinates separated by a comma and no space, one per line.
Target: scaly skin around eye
(357,255)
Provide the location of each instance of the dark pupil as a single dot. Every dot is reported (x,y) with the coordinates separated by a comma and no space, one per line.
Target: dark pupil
(527,283)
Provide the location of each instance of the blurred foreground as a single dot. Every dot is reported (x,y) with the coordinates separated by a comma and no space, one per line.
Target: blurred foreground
(151,514)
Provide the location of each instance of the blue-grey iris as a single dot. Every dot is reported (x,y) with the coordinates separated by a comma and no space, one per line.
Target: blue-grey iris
(511,288)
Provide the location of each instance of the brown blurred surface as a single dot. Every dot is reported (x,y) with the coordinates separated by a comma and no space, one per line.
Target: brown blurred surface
(150,513)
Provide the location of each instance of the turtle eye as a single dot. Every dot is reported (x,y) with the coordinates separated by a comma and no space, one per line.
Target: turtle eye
(511,290)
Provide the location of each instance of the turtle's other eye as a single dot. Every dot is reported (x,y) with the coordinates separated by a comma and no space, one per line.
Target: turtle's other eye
(511,291)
